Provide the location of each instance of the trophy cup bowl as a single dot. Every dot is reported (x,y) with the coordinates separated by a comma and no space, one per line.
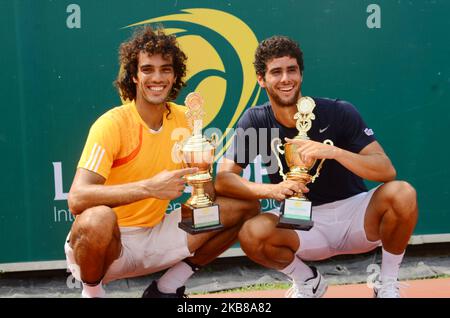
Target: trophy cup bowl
(298,169)
(198,152)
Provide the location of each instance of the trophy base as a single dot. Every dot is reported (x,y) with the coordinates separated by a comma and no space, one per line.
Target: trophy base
(187,226)
(295,224)
(200,220)
(301,212)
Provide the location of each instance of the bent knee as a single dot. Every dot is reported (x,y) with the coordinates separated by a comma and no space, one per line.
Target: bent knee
(252,209)
(403,199)
(97,224)
(255,231)
(96,216)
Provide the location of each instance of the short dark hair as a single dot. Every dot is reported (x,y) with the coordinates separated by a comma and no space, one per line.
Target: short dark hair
(152,42)
(275,47)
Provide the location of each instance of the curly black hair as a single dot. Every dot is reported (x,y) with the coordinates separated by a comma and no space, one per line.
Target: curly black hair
(152,42)
(275,47)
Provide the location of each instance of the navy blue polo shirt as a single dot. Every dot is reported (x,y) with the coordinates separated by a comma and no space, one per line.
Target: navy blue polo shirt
(336,120)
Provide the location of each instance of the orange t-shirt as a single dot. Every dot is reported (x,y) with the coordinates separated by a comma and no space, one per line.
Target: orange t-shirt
(121,148)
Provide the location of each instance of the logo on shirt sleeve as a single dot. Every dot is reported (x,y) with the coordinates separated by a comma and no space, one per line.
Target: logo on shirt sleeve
(369,132)
(95,158)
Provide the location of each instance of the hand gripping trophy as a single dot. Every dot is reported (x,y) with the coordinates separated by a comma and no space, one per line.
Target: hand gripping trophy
(296,211)
(199,213)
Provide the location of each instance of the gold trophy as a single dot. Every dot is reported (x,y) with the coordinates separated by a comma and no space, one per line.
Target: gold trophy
(199,214)
(296,211)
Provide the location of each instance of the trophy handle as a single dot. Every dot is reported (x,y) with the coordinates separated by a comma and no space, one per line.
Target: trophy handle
(280,151)
(177,154)
(214,141)
(327,142)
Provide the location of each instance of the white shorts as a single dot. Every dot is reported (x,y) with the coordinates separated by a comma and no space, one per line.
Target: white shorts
(338,229)
(144,250)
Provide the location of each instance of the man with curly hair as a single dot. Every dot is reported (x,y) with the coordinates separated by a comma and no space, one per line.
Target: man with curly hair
(126,177)
(348,219)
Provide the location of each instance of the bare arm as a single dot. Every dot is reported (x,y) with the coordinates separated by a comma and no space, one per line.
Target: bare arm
(230,183)
(371,163)
(88,189)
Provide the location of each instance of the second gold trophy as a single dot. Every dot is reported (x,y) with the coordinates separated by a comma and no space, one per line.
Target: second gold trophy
(296,211)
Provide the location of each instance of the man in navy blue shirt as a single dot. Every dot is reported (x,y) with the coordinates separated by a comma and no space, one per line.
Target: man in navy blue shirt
(348,219)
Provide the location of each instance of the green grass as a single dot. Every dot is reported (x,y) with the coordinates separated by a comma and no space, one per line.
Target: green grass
(265,286)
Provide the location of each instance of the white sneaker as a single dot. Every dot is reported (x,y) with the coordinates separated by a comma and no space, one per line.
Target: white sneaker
(314,287)
(387,289)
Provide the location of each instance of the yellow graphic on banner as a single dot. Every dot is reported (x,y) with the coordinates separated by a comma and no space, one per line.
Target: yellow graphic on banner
(203,56)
